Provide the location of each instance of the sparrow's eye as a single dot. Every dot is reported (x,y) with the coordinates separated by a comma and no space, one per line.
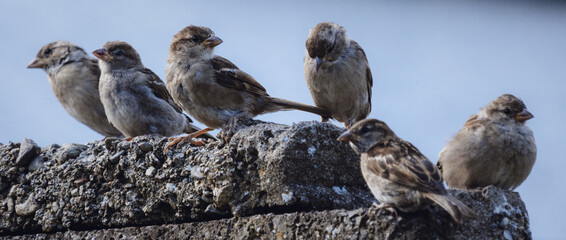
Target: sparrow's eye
(47,51)
(506,110)
(118,53)
(195,38)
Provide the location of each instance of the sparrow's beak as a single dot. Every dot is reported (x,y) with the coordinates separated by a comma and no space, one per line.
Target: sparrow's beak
(36,63)
(102,54)
(318,63)
(347,137)
(524,116)
(211,41)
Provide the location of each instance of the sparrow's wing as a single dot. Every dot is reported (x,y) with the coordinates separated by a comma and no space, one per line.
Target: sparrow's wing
(228,75)
(474,126)
(91,73)
(369,79)
(159,89)
(466,140)
(405,165)
(92,65)
(474,123)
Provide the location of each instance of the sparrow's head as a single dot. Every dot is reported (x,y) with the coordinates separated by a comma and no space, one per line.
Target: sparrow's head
(326,42)
(508,108)
(119,55)
(195,42)
(365,134)
(56,54)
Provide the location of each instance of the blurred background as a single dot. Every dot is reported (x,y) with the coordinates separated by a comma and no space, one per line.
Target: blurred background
(434,64)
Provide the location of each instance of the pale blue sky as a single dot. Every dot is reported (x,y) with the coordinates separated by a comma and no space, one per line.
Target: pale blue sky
(434,64)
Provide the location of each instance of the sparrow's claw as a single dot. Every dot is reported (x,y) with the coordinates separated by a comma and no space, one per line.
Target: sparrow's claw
(231,127)
(191,139)
(385,209)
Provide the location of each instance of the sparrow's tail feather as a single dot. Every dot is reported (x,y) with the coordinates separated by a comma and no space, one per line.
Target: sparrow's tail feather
(453,206)
(286,104)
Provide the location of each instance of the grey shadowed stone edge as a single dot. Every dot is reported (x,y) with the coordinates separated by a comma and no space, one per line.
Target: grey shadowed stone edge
(297,182)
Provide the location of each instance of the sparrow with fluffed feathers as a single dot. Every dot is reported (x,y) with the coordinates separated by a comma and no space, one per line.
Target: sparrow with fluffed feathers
(495,147)
(397,173)
(212,89)
(74,77)
(135,99)
(337,73)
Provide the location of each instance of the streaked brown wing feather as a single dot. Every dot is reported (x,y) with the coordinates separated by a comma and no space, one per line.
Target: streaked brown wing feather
(369,80)
(405,165)
(369,77)
(92,66)
(219,62)
(473,123)
(160,90)
(228,75)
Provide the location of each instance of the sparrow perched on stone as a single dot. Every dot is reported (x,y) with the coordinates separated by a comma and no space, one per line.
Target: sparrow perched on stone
(397,173)
(211,88)
(135,99)
(494,147)
(338,74)
(74,76)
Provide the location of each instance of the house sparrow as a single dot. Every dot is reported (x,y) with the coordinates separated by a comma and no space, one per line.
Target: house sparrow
(338,74)
(494,147)
(397,173)
(73,76)
(211,88)
(135,99)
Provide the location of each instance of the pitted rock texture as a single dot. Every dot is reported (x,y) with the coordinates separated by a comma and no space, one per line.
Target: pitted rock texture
(502,215)
(269,181)
(264,168)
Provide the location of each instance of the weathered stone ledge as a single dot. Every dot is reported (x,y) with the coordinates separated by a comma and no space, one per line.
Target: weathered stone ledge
(501,216)
(269,181)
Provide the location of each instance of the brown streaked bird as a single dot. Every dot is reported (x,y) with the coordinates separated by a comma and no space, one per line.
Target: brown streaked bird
(74,77)
(212,89)
(495,147)
(397,173)
(338,74)
(135,99)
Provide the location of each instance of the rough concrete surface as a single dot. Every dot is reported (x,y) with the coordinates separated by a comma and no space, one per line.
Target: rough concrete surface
(501,216)
(269,181)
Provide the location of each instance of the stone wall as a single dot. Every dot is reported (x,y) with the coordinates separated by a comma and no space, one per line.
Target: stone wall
(269,181)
